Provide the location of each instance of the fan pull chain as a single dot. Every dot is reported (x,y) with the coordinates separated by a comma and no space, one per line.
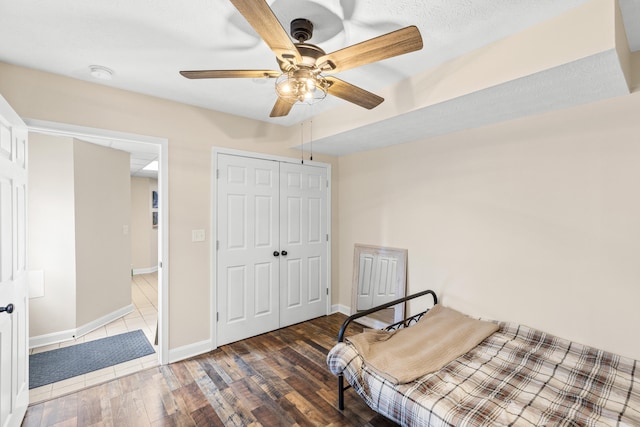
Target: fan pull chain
(311,140)
(302,143)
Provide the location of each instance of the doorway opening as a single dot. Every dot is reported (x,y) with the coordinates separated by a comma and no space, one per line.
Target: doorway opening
(149,285)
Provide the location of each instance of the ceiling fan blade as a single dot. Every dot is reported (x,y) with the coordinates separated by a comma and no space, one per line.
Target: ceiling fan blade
(230,74)
(392,44)
(281,108)
(264,21)
(353,94)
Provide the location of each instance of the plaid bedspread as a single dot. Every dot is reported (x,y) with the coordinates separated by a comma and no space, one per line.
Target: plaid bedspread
(517,376)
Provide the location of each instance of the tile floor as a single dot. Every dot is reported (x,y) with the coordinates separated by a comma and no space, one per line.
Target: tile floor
(144,295)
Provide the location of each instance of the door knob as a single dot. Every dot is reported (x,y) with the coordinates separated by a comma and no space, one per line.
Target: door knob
(284,253)
(8,308)
(276,253)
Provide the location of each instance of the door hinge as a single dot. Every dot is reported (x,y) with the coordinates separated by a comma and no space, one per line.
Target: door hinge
(327,237)
(217,245)
(217,173)
(327,291)
(217,316)
(327,183)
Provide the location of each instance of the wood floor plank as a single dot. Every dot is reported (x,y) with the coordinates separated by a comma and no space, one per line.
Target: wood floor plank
(169,377)
(267,417)
(230,415)
(33,418)
(310,393)
(311,414)
(240,366)
(159,402)
(269,408)
(178,419)
(212,371)
(206,416)
(192,397)
(251,399)
(275,379)
(182,374)
(279,365)
(89,407)
(128,409)
(70,422)
(357,415)
(274,386)
(319,372)
(66,408)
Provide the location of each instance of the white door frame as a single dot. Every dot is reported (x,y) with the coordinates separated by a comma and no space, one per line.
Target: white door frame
(214,221)
(80,132)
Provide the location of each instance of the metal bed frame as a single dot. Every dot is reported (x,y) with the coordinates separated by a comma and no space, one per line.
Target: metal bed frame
(408,321)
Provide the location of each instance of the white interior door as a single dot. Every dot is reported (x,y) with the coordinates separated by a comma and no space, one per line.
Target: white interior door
(303,243)
(271,249)
(14,357)
(247,233)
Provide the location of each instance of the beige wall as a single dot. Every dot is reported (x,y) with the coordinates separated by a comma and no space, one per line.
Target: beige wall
(144,238)
(103,248)
(78,204)
(191,132)
(535,221)
(52,233)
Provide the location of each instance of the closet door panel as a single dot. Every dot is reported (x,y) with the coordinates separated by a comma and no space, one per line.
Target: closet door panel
(247,229)
(303,236)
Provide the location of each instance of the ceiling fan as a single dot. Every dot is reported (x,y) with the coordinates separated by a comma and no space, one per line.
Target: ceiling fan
(304,68)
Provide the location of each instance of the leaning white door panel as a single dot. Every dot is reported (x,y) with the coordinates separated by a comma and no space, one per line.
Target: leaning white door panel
(247,273)
(385,283)
(14,387)
(303,243)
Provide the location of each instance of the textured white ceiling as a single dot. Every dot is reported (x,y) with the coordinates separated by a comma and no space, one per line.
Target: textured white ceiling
(586,80)
(147,42)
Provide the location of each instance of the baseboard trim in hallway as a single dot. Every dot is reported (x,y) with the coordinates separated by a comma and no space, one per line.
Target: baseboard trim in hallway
(144,296)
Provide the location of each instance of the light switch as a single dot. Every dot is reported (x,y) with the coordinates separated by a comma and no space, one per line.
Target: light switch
(125,230)
(197,235)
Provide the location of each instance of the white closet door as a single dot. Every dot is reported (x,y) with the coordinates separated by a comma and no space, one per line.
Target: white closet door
(303,243)
(247,270)
(14,328)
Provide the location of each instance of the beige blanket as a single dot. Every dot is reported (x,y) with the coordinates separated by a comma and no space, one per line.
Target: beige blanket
(440,336)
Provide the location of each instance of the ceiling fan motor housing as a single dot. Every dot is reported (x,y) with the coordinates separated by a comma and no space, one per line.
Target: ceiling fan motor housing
(301,29)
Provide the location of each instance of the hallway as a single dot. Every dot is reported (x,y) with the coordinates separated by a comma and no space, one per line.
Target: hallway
(144,297)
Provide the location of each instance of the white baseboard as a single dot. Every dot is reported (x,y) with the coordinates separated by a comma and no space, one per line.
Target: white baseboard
(98,323)
(69,334)
(147,270)
(190,350)
(52,338)
(340,308)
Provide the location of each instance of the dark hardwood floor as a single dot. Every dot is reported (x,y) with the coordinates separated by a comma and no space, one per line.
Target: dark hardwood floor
(275,379)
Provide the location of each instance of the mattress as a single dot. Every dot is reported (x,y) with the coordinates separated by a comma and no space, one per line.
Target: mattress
(517,376)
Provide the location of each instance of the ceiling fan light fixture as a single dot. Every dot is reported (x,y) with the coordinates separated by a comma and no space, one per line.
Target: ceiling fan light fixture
(301,85)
